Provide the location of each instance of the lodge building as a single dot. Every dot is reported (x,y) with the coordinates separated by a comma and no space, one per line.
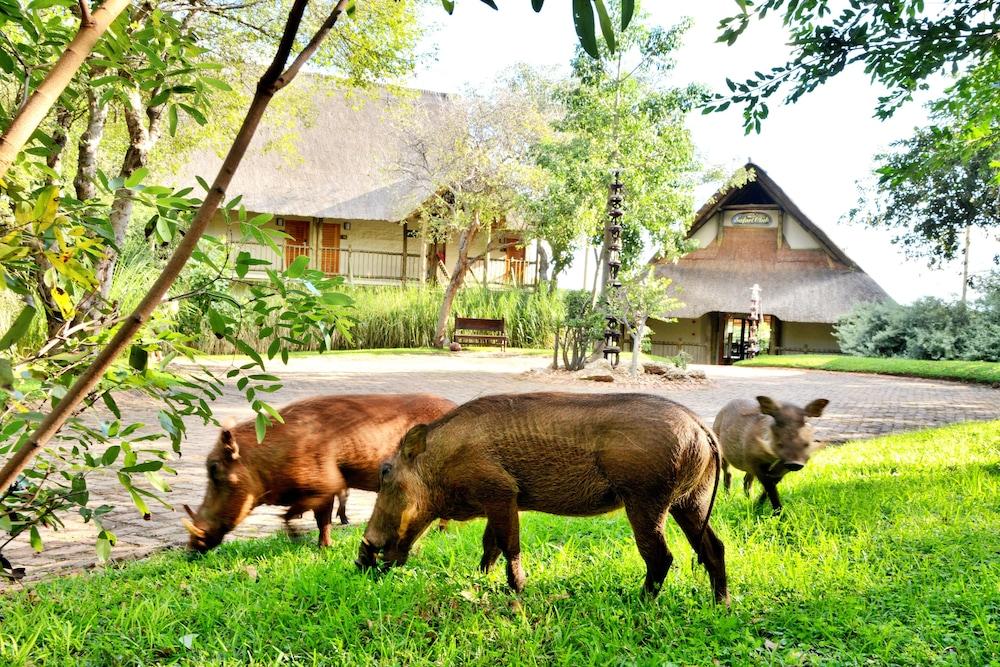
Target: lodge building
(755,235)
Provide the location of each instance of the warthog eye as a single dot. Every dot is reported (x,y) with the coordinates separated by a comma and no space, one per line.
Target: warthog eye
(385,470)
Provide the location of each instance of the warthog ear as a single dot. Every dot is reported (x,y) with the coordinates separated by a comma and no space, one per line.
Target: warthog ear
(414,442)
(768,406)
(815,409)
(229,445)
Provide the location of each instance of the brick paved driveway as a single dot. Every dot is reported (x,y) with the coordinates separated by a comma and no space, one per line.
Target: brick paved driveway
(860,406)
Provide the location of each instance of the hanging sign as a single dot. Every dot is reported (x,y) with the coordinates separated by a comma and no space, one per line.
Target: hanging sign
(752,219)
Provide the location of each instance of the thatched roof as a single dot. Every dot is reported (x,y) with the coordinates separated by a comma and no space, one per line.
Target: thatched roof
(814,285)
(342,166)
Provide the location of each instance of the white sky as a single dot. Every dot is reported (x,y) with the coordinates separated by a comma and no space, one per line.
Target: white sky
(816,150)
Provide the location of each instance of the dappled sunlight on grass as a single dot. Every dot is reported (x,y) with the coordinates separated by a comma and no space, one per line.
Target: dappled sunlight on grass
(887,552)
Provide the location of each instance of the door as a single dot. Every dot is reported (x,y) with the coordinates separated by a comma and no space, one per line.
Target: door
(298,244)
(329,248)
(514,264)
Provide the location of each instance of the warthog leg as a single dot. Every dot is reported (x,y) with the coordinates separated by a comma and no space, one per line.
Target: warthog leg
(708,547)
(507,534)
(646,516)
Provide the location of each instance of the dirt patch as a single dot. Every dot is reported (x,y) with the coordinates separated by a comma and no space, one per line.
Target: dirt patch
(602,372)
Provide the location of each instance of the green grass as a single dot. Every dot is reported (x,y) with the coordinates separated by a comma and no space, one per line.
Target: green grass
(969,371)
(887,553)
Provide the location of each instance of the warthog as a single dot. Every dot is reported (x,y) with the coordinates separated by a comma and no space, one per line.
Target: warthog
(325,446)
(560,453)
(767,440)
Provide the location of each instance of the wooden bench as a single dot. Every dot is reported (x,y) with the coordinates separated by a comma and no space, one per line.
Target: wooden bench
(482,331)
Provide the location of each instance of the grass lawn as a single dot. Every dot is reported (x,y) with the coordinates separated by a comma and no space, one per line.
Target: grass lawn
(887,553)
(970,371)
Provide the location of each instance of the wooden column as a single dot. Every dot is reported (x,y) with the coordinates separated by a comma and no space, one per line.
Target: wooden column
(402,267)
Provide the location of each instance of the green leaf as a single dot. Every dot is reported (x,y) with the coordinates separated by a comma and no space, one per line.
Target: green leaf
(139,503)
(217,321)
(103,547)
(36,539)
(628,9)
(138,358)
(110,402)
(297,267)
(449,6)
(148,466)
(110,455)
(273,348)
(172,119)
(260,425)
(537,5)
(163,230)
(605,20)
(583,20)
(136,177)
(18,328)
(6,374)
(336,299)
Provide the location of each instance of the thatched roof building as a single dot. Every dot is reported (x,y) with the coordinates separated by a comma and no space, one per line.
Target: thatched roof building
(756,235)
(343,164)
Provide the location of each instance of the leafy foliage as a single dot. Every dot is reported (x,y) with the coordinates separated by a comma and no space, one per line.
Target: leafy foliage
(929,192)
(899,45)
(642,295)
(583,20)
(58,251)
(928,329)
(583,325)
(618,112)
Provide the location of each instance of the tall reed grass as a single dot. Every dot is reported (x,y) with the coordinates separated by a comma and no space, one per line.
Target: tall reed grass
(398,317)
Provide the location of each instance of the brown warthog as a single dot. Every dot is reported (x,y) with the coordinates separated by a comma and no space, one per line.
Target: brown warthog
(767,440)
(326,445)
(566,454)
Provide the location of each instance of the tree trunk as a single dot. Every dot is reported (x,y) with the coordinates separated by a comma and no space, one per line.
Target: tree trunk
(637,347)
(64,119)
(273,80)
(457,277)
(85,181)
(143,131)
(31,115)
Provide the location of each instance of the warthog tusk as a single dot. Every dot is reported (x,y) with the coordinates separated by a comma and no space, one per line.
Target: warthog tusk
(194,517)
(364,541)
(193,529)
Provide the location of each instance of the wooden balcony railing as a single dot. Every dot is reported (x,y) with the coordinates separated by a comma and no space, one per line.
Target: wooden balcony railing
(384,266)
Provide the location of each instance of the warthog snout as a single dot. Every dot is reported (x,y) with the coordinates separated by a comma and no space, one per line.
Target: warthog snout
(794,465)
(367,555)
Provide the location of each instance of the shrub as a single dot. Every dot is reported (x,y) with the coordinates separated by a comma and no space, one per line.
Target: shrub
(929,328)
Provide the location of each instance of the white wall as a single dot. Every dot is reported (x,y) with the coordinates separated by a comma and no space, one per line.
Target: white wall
(796,236)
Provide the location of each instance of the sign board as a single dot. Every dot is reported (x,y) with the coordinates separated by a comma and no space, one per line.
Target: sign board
(752,219)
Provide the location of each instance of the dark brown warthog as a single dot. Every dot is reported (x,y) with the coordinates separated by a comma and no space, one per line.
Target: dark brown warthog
(767,440)
(566,454)
(326,445)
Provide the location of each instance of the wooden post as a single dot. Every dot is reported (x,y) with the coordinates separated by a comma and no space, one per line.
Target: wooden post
(350,270)
(402,268)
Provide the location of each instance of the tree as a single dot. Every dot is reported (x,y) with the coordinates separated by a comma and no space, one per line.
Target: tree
(620,113)
(641,296)
(86,377)
(930,194)
(475,155)
(900,45)
(36,107)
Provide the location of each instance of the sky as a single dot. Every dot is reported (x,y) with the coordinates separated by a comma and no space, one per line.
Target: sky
(818,150)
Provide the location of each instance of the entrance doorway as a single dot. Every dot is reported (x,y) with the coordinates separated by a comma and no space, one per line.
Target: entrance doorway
(736,337)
